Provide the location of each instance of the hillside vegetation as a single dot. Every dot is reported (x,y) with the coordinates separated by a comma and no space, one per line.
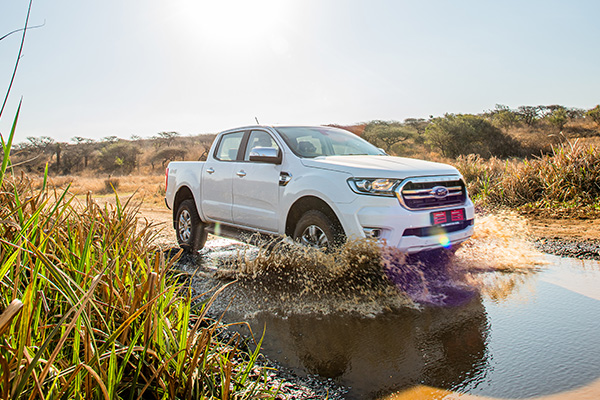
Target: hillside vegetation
(502,132)
(531,157)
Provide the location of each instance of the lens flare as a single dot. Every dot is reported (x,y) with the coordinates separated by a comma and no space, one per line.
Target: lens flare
(445,241)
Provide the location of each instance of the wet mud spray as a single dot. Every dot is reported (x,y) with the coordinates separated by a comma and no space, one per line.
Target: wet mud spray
(364,278)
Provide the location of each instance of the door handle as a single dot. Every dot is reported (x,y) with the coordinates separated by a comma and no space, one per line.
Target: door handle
(241,173)
(211,170)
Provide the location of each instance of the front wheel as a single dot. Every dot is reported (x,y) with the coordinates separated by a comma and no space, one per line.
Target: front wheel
(190,231)
(315,229)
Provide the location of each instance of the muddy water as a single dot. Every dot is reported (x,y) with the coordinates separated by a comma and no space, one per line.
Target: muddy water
(496,320)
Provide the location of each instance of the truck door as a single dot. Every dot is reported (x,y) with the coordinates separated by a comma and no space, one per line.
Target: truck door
(217,190)
(256,187)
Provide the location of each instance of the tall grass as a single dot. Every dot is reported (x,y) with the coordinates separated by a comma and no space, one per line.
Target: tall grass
(566,181)
(89,309)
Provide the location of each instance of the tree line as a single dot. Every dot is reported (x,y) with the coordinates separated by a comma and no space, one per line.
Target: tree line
(110,154)
(501,132)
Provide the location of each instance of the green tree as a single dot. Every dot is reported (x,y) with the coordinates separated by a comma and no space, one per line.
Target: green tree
(558,118)
(120,158)
(165,155)
(419,124)
(84,148)
(594,114)
(39,151)
(528,114)
(547,111)
(575,113)
(455,135)
(165,138)
(110,139)
(386,134)
(503,117)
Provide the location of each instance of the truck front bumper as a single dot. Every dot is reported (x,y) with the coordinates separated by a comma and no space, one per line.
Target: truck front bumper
(410,231)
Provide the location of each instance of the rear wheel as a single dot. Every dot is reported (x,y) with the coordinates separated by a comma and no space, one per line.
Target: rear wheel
(315,229)
(190,231)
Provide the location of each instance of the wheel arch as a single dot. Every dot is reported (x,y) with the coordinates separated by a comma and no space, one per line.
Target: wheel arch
(305,204)
(183,193)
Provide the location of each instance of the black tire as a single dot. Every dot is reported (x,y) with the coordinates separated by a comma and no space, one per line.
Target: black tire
(315,229)
(189,229)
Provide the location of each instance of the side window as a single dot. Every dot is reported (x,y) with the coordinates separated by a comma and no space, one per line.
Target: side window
(229,146)
(259,139)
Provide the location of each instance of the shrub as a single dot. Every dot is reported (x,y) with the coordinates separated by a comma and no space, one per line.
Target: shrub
(456,135)
(119,157)
(163,156)
(594,114)
(559,118)
(111,185)
(386,134)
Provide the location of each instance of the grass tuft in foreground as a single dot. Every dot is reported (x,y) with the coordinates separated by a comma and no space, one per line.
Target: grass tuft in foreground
(88,308)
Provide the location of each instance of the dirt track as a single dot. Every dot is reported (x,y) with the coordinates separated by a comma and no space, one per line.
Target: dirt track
(570,229)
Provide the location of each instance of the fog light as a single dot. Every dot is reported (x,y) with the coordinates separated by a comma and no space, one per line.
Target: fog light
(372,232)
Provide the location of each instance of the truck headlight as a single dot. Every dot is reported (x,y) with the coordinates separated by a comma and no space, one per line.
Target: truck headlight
(374,186)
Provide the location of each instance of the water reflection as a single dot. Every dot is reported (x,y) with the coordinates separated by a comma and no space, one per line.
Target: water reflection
(499,327)
(441,347)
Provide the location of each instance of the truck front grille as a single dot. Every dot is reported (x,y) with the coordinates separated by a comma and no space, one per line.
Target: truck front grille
(424,193)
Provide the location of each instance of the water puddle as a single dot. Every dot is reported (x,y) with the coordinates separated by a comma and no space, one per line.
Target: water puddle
(547,343)
(579,276)
(495,320)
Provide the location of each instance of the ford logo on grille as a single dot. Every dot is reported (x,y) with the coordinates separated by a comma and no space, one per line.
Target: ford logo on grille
(439,192)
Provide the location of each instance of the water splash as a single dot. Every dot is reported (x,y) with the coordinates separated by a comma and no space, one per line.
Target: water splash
(500,243)
(427,279)
(294,279)
(499,259)
(363,277)
(496,262)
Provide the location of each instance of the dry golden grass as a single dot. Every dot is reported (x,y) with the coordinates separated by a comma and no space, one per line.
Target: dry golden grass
(590,141)
(563,183)
(150,188)
(536,140)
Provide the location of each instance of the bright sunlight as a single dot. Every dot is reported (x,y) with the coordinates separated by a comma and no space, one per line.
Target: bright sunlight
(235,24)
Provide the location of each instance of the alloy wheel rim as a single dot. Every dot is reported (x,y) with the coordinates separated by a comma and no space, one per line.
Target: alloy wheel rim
(314,236)
(185,226)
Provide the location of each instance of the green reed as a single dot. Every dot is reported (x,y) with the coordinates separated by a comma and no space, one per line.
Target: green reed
(89,307)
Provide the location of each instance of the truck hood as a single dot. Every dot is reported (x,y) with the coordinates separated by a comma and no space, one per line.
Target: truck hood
(380,166)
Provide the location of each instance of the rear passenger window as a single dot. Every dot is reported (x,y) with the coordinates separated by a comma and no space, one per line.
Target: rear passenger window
(229,146)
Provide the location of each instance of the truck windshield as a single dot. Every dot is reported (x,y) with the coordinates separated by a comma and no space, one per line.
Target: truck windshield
(313,142)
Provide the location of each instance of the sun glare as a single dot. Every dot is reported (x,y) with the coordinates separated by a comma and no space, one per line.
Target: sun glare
(235,24)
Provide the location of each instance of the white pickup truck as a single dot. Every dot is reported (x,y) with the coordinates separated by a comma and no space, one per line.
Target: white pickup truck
(319,185)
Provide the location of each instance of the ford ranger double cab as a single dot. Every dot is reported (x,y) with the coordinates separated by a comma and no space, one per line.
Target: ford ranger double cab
(318,185)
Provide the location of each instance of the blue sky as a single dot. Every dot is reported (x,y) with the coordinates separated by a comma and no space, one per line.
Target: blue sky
(102,68)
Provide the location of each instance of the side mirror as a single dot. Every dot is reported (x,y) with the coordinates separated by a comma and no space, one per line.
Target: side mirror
(270,155)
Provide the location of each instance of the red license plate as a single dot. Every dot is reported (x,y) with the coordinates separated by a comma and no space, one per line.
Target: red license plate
(448,217)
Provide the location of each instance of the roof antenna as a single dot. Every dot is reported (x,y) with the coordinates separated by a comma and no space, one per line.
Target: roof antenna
(257,123)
